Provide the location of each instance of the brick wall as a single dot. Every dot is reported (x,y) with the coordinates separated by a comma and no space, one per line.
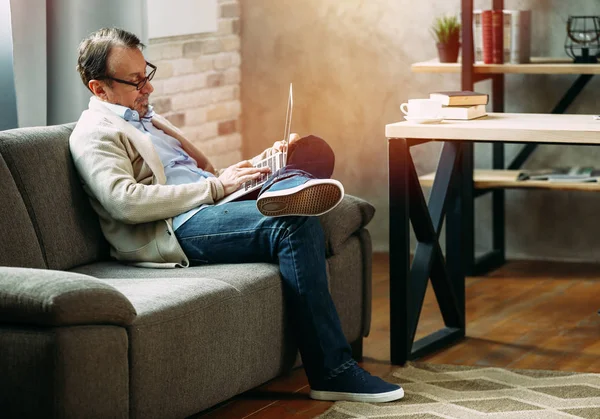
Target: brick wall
(197,85)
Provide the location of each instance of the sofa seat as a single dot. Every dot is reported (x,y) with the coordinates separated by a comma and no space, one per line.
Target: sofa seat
(195,329)
(218,324)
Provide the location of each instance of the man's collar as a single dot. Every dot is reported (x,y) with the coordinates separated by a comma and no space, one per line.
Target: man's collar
(123,111)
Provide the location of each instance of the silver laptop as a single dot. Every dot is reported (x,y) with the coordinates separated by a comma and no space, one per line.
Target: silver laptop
(275,161)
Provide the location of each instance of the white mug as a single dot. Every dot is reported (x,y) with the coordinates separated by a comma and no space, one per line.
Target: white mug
(422,108)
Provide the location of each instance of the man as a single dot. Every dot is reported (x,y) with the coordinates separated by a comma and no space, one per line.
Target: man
(154,194)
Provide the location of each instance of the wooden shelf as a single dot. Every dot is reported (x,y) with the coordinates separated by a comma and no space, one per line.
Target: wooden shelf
(507,179)
(538,65)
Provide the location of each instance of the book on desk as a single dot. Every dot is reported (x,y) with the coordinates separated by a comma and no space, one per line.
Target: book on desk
(463,105)
(463,112)
(460,98)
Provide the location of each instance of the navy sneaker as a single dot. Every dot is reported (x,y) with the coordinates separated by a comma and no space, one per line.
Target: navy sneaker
(295,192)
(356,385)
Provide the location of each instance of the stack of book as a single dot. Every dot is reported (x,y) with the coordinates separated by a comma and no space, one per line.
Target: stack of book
(461,105)
(502,36)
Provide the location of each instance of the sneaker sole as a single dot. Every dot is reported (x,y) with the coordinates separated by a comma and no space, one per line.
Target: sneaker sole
(335,396)
(315,197)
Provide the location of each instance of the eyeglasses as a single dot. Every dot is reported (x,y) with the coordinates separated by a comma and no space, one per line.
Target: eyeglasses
(139,85)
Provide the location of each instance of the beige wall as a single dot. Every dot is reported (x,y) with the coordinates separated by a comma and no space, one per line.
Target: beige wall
(197,85)
(30,63)
(350,64)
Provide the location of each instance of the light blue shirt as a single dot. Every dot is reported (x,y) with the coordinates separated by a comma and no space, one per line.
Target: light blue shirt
(179,167)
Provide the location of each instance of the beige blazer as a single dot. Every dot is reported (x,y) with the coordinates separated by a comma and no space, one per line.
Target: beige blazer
(125,180)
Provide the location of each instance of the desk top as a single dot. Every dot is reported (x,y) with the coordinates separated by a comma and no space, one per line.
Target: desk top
(506,127)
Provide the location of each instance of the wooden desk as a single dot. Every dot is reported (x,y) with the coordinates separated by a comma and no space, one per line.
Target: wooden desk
(471,73)
(453,181)
(506,128)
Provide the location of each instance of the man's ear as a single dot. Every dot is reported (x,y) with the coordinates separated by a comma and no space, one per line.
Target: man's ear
(97,88)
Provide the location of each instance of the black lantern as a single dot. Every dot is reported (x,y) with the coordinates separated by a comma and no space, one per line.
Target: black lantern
(583,38)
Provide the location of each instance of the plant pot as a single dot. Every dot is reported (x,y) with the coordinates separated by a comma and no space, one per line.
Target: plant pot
(448,52)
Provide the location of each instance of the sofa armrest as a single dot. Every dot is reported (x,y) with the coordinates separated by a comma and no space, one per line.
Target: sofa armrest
(55,298)
(351,215)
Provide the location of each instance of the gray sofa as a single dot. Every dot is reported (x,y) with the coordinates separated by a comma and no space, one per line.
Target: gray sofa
(82,336)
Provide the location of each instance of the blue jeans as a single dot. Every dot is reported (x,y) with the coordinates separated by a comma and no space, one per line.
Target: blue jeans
(236,232)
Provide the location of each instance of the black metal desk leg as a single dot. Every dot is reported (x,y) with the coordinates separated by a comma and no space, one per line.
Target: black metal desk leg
(400,343)
(456,220)
(428,262)
(409,283)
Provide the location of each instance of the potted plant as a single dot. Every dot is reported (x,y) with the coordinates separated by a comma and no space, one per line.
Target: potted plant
(446,32)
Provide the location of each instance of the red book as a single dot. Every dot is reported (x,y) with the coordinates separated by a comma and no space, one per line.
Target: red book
(486,30)
(497,36)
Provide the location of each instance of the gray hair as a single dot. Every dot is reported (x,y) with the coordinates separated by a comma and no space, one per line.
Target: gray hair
(94,50)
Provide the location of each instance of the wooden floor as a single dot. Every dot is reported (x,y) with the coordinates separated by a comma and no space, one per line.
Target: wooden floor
(534,315)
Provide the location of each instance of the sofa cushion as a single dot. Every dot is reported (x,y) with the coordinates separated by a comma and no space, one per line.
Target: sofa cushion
(198,340)
(350,286)
(67,227)
(19,245)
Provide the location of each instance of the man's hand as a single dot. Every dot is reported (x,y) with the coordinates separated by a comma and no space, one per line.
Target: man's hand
(239,173)
(280,145)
